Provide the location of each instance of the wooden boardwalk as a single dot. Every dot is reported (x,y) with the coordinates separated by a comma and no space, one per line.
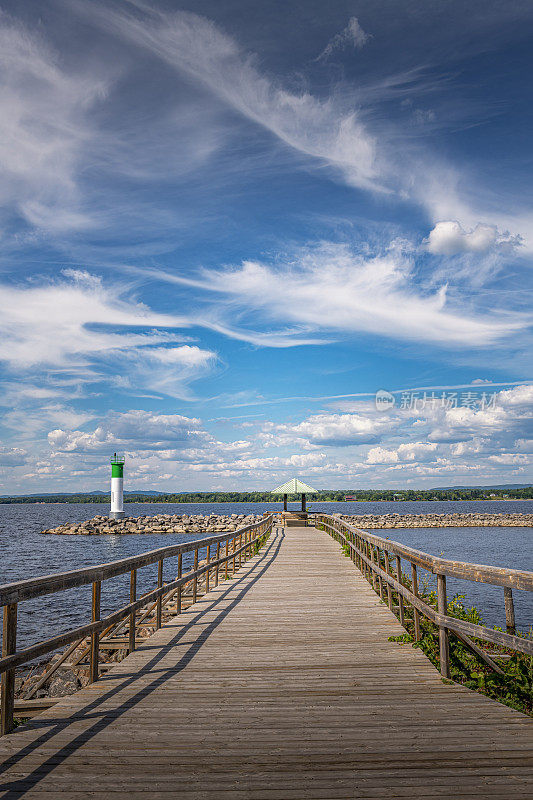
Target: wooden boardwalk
(278,684)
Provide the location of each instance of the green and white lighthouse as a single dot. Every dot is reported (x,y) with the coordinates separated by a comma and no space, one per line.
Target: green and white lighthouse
(117,487)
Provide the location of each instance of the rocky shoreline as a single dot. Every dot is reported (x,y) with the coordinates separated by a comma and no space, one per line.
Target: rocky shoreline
(160,523)
(215,523)
(374,521)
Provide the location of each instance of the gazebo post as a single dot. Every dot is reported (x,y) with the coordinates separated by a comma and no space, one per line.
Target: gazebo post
(284,502)
(303,501)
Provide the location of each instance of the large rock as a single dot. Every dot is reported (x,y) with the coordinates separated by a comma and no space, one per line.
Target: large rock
(63,683)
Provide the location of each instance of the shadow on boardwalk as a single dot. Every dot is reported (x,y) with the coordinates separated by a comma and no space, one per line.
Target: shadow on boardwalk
(17,788)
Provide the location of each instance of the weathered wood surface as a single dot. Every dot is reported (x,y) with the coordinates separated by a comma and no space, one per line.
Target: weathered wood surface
(279,684)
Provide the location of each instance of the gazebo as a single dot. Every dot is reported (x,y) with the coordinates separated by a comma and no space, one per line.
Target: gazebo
(294,486)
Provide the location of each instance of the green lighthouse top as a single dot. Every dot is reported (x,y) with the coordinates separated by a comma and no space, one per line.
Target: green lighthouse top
(117,466)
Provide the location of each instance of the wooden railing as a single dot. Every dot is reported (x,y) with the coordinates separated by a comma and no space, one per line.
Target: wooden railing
(230,551)
(380,561)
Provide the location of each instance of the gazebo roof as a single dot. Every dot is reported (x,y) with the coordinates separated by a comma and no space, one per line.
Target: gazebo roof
(294,486)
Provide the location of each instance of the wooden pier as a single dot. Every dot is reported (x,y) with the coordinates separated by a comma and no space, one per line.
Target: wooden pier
(277,684)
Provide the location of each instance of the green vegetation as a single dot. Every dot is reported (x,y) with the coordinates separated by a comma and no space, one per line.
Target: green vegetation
(324,495)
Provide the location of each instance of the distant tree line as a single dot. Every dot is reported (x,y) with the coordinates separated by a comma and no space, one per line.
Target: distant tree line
(323,495)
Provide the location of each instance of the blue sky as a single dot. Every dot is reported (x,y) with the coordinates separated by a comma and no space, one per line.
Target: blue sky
(225,226)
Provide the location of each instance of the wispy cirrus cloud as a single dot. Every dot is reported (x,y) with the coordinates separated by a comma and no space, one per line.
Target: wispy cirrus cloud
(352,35)
(331,289)
(196,46)
(88,330)
(339,130)
(44,127)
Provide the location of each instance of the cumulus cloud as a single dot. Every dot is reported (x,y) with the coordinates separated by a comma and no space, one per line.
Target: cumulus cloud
(406,452)
(133,430)
(480,445)
(352,36)
(12,456)
(499,425)
(338,430)
(450,238)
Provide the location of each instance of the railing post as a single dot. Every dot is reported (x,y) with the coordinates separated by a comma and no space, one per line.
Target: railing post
(240,551)
(416,613)
(195,579)
(218,565)
(95,636)
(444,648)
(387,570)
(233,548)
(399,579)
(159,601)
(180,569)
(509,610)
(380,579)
(226,560)
(133,597)
(207,560)
(9,646)
(374,575)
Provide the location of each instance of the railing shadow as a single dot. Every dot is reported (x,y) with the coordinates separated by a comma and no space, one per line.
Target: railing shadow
(19,787)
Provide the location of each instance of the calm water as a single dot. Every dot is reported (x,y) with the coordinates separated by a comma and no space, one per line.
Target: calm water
(25,553)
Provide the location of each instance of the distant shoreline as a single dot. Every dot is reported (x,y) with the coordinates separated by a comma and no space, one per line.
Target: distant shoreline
(487,494)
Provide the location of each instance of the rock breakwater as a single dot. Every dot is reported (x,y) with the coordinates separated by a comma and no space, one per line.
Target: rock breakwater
(160,523)
(374,521)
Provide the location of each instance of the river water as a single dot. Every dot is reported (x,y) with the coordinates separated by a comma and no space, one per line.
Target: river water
(25,553)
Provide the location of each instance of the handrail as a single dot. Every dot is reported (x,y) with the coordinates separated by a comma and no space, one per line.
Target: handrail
(32,588)
(13,593)
(498,576)
(372,555)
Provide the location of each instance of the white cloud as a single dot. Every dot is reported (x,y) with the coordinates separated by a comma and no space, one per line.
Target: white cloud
(353,35)
(406,452)
(512,459)
(78,324)
(480,446)
(197,47)
(12,456)
(339,430)
(382,159)
(44,127)
(449,238)
(133,430)
(331,289)
(498,425)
